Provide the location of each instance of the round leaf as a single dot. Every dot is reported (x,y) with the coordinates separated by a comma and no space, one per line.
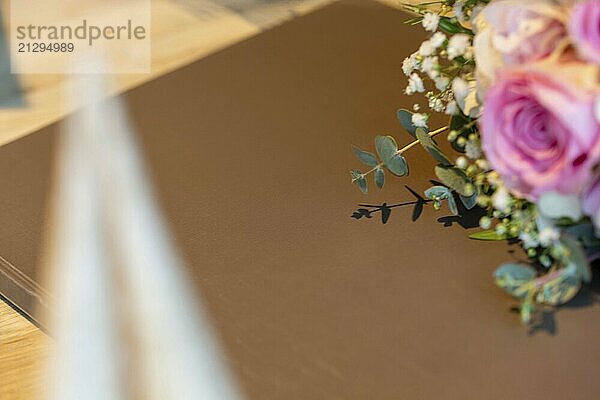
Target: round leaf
(405,119)
(397,165)
(386,147)
(514,277)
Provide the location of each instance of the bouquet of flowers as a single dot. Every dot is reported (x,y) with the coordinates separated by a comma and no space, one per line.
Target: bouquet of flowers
(519,81)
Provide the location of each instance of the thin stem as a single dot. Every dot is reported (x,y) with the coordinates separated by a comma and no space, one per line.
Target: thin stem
(431,134)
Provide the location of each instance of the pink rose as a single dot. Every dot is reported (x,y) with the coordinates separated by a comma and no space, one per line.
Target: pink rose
(584,27)
(590,202)
(539,131)
(513,32)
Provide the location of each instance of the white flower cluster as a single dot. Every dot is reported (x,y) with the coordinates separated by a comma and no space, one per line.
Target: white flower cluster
(445,62)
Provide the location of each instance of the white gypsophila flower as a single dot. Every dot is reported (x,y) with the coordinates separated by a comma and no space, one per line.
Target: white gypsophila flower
(410,64)
(430,66)
(460,88)
(416,107)
(548,235)
(461,162)
(451,108)
(501,200)
(426,49)
(441,82)
(528,240)
(415,83)
(437,39)
(458,45)
(436,104)
(472,150)
(419,120)
(430,22)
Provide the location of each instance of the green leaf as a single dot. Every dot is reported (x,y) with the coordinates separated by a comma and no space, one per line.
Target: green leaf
(562,290)
(405,119)
(359,179)
(469,201)
(456,179)
(386,147)
(397,165)
(514,278)
(438,192)
(578,258)
(451,26)
(452,205)
(487,235)
(379,177)
(432,148)
(365,156)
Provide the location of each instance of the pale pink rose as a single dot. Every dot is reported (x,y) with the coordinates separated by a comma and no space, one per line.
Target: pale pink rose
(539,130)
(584,28)
(513,32)
(590,201)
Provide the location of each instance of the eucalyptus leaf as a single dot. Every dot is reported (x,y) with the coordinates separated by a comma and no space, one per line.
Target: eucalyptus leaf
(439,192)
(397,165)
(405,119)
(514,278)
(365,156)
(386,147)
(557,292)
(456,179)
(469,201)
(578,258)
(359,179)
(432,148)
(362,185)
(452,205)
(379,177)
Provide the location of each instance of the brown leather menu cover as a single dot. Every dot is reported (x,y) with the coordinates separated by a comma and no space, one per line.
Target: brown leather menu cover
(250,151)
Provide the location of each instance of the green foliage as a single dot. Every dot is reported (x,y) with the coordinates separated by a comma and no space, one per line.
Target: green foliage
(359,179)
(515,278)
(379,177)
(397,165)
(489,234)
(386,147)
(439,193)
(405,119)
(575,255)
(469,201)
(456,179)
(365,156)
(452,26)
(562,289)
(432,148)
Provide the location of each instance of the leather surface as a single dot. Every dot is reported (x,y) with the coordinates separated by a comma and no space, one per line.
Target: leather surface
(250,151)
